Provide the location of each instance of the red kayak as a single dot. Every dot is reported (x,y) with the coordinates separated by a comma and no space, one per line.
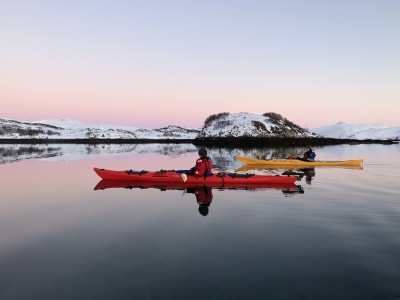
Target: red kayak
(172,176)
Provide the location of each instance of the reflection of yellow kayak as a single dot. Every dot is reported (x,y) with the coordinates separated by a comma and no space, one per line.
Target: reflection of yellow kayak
(246,168)
(297,163)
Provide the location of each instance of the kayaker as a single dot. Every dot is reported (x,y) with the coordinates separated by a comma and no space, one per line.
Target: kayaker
(309,155)
(203,165)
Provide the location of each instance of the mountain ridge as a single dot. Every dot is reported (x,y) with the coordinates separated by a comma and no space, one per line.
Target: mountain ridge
(222,125)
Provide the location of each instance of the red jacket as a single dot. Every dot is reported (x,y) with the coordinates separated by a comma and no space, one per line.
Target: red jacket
(203,166)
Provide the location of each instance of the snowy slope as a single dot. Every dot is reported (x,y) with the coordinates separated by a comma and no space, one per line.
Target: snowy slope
(245,124)
(227,125)
(72,129)
(343,130)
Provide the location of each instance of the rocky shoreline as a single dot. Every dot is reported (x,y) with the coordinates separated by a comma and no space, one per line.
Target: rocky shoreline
(226,142)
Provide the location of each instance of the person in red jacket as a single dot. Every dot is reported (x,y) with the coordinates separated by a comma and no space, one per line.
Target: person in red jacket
(203,165)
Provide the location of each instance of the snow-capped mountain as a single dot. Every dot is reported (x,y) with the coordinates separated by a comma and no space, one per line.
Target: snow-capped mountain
(219,125)
(343,130)
(72,129)
(245,124)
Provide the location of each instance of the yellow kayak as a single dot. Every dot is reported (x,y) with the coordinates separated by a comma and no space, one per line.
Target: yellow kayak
(297,163)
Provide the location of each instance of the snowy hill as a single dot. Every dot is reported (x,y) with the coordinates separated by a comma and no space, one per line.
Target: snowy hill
(72,129)
(220,125)
(343,130)
(245,124)
(217,125)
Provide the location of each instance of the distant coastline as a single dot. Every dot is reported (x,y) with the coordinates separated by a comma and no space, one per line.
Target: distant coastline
(224,129)
(250,142)
(236,142)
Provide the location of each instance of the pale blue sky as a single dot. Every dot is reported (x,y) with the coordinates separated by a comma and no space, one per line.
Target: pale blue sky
(154,63)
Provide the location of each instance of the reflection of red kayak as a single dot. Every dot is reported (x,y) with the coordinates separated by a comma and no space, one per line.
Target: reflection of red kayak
(164,177)
(106,184)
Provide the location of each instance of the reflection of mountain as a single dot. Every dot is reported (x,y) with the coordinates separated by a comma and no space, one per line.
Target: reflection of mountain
(223,158)
(17,152)
(14,153)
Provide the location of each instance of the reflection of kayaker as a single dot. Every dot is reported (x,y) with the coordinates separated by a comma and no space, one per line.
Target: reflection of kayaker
(309,173)
(164,186)
(204,198)
(203,193)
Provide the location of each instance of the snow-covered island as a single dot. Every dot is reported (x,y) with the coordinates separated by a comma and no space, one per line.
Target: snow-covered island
(66,129)
(223,125)
(57,139)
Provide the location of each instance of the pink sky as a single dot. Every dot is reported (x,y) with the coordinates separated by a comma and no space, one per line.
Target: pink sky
(134,64)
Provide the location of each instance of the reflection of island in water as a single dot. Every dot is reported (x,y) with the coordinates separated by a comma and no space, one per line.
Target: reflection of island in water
(10,153)
(15,153)
(223,158)
(203,193)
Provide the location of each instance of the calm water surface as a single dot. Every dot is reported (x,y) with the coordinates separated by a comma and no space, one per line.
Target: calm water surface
(61,239)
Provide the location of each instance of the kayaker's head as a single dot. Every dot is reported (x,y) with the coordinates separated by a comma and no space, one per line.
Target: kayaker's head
(309,148)
(203,152)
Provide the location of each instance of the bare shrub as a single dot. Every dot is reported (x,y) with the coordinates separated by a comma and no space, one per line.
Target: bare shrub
(259,126)
(211,118)
(277,118)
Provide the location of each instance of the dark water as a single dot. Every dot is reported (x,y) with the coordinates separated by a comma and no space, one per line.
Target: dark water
(60,239)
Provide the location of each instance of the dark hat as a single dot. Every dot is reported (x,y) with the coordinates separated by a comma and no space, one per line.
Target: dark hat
(202,152)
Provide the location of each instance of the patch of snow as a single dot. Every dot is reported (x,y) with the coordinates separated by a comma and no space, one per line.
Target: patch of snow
(342,130)
(246,124)
(73,129)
